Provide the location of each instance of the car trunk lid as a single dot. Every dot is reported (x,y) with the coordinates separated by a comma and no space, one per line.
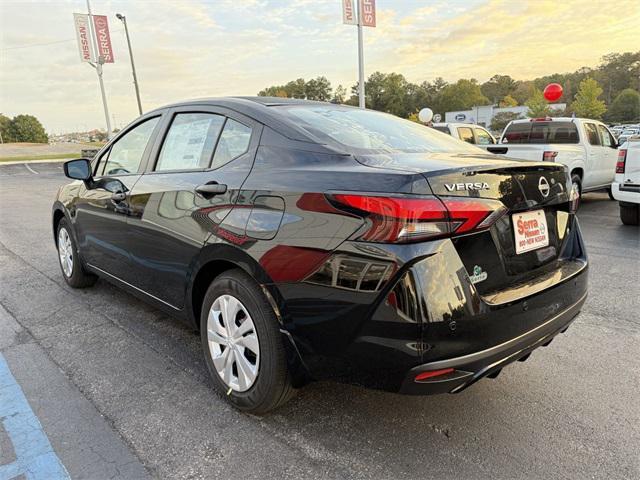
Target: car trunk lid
(528,190)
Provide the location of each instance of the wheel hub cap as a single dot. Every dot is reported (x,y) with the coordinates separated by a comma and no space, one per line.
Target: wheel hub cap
(233,343)
(65,252)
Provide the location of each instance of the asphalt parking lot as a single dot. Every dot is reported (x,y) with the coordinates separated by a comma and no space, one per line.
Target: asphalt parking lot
(121,391)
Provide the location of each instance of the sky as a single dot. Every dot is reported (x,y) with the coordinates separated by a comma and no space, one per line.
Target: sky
(192,49)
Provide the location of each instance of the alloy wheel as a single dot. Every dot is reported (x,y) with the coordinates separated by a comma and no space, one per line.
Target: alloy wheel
(233,343)
(65,252)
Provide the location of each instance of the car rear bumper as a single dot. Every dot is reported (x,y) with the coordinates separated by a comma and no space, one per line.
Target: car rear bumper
(626,193)
(468,369)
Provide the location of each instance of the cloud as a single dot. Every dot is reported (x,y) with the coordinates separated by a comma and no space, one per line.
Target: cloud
(186,49)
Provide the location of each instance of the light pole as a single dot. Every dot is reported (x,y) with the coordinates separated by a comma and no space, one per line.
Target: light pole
(123,19)
(361,96)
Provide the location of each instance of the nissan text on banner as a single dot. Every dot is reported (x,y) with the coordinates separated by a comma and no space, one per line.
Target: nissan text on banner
(101,27)
(368,13)
(349,12)
(85,47)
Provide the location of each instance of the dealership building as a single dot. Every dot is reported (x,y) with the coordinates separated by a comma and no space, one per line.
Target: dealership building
(482,115)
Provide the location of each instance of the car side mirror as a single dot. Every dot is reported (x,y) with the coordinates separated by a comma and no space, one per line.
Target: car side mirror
(78,169)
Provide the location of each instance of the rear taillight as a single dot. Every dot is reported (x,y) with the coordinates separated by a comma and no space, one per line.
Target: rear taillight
(403,219)
(622,159)
(549,156)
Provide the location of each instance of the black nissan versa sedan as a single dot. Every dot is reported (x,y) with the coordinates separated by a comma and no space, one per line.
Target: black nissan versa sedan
(307,240)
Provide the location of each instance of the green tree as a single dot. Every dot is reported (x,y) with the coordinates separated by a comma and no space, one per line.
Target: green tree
(497,87)
(501,119)
(625,107)
(27,128)
(461,95)
(587,103)
(318,89)
(538,106)
(508,101)
(4,128)
(523,92)
(339,95)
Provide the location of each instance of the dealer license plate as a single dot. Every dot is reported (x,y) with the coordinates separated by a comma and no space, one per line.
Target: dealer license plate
(531,231)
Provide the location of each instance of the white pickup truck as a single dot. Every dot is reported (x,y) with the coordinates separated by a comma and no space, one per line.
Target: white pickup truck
(626,186)
(585,146)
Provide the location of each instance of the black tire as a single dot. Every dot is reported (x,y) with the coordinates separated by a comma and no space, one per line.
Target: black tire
(78,277)
(630,214)
(272,385)
(610,193)
(576,180)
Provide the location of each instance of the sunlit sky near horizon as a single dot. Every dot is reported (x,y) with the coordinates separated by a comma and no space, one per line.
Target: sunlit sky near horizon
(190,49)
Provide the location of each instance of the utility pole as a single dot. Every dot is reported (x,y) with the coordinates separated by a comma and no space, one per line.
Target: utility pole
(360,59)
(98,67)
(123,19)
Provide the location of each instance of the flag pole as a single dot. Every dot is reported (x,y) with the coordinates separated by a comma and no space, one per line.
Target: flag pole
(98,67)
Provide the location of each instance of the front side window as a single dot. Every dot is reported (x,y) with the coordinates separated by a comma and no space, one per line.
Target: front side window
(234,141)
(358,129)
(483,137)
(592,133)
(442,129)
(190,141)
(126,153)
(466,134)
(606,139)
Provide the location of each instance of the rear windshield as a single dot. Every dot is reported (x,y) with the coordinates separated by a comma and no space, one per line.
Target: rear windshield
(443,130)
(541,132)
(370,131)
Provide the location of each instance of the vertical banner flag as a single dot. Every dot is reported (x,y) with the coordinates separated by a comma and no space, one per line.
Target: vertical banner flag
(101,27)
(368,13)
(348,12)
(85,47)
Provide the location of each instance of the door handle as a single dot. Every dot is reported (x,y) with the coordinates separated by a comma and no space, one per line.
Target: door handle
(119,197)
(211,189)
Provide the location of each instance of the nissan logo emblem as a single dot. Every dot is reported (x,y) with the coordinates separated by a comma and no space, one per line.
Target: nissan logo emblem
(543,186)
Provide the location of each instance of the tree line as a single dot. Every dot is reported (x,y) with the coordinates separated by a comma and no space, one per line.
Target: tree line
(22,128)
(608,92)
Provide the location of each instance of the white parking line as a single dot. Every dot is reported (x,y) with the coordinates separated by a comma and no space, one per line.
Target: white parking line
(30,169)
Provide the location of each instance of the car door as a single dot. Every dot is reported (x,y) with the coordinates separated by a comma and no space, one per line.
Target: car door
(609,154)
(102,206)
(193,178)
(592,174)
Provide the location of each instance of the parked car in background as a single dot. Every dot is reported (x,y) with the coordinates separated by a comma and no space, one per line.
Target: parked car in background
(627,133)
(587,147)
(307,240)
(467,132)
(626,185)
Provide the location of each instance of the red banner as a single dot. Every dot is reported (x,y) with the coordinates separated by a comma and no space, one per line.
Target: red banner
(101,27)
(368,13)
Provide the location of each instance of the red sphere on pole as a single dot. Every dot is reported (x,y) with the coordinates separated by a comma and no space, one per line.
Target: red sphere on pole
(553,92)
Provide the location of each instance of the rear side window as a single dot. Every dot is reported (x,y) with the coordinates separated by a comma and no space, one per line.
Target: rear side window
(126,153)
(541,132)
(190,141)
(592,133)
(233,142)
(466,134)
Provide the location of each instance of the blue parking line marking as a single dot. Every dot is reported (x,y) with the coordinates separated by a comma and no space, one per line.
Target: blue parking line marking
(34,454)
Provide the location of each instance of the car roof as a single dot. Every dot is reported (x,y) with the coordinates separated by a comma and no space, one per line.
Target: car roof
(556,119)
(454,124)
(259,109)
